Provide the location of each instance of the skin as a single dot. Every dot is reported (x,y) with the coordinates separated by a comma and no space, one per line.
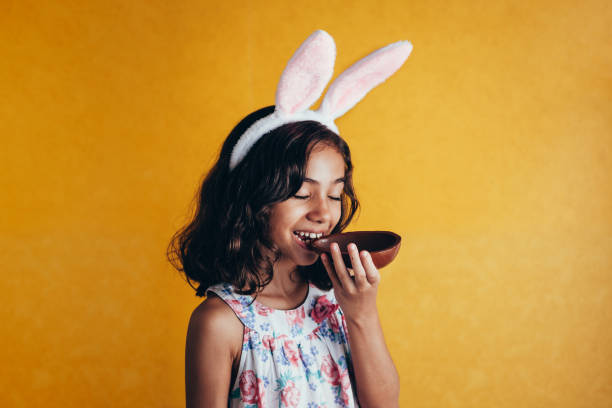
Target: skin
(376,378)
(214,336)
(316,207)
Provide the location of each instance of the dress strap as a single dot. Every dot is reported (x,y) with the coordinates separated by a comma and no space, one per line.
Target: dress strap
(242,305)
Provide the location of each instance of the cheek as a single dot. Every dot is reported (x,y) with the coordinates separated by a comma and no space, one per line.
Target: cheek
(277,227)
(337,213)
(281,219)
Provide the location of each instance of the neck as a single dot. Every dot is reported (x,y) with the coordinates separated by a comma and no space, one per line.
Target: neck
(286,281)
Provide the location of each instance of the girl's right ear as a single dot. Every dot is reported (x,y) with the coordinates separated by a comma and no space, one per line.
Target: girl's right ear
(306,75)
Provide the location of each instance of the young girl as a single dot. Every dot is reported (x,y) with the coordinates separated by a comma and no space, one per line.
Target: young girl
(281,326)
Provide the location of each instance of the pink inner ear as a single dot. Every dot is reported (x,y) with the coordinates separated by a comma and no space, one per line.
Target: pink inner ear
(353,84)
(357,91)
(312,91)
(306,74)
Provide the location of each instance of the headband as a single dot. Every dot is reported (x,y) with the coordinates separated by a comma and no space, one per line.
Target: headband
(304,79)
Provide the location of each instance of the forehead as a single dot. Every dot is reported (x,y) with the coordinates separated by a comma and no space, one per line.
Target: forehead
(325,164)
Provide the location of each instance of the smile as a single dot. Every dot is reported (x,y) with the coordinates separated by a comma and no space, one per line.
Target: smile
(305,237)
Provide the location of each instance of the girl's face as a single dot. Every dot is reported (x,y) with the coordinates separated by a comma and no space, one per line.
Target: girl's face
(314,209)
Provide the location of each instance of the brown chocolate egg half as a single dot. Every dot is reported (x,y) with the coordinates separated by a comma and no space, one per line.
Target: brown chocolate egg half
(382,245)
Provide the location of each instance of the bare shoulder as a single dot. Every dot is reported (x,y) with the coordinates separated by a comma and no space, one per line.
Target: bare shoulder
(214,317)
(213,347)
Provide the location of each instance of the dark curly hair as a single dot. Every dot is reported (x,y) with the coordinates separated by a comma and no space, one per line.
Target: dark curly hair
(227,239)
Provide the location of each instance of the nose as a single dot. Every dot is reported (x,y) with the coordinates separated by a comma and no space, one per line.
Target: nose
(320,211)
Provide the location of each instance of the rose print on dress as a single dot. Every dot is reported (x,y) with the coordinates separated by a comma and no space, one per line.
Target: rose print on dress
(291,352)
(262,310)
(322,308)
(345,387)
(291,358)
(267,342)
(290,395)
(333,323)
(252,389)
(237,307)
(329,368)
(245,314)
(336,374)
(296,316)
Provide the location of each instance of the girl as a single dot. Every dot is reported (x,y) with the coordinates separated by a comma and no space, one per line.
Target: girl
(281,326)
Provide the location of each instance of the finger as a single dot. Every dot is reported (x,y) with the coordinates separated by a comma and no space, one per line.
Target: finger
(330,271)
(371,272)
(360,274)
(340,267)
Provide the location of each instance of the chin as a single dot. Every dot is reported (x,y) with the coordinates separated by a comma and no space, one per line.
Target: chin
(307,261)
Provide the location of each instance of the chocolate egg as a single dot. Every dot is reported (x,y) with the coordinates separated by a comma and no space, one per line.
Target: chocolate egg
(382,245)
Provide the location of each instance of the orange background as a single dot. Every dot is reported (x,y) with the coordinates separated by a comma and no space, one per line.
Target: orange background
(489,152)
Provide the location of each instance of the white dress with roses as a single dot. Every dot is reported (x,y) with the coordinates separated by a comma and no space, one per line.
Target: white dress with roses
(291,358)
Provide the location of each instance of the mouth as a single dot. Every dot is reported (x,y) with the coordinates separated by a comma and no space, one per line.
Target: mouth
(306,237)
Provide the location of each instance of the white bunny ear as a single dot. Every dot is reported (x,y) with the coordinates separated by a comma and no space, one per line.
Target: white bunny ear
(307,73)
(354,83)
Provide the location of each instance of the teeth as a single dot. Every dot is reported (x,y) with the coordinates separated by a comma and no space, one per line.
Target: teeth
(308,235)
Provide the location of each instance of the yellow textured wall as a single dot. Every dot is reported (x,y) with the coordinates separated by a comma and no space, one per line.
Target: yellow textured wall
(489,152)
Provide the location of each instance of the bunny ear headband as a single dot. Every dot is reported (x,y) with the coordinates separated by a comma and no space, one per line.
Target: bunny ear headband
(304,79)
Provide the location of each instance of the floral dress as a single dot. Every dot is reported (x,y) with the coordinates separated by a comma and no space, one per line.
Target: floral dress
(291,358)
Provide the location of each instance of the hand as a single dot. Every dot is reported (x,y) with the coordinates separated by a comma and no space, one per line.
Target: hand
(356,296)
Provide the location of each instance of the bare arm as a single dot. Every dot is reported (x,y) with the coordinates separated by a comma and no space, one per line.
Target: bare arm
(375,374)
(377,380)
(214,340)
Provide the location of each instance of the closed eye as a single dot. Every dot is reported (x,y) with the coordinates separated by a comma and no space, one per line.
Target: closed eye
(306,197)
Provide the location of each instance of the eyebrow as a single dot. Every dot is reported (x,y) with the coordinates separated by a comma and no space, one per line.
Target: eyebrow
(337,181)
